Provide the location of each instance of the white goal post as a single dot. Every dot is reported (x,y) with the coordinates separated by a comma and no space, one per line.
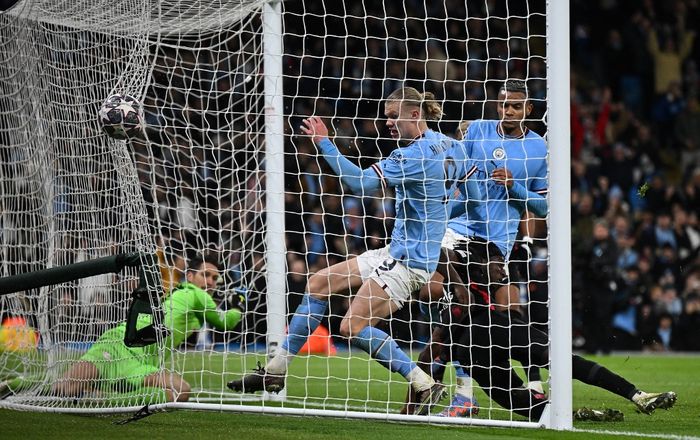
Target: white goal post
(558,124)
(222,169)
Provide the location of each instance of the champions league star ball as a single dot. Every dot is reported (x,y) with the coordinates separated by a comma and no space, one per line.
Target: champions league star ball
(120,117)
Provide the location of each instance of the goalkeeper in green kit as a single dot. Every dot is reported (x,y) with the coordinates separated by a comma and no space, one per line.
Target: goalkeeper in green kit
(124,374)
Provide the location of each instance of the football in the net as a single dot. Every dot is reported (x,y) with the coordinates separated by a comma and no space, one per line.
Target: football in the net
(120,117)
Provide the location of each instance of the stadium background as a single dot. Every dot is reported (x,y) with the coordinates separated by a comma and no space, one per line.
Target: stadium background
(635,144)
(635,123)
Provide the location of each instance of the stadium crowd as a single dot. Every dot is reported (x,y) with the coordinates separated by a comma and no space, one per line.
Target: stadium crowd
(635,183)
(635,122)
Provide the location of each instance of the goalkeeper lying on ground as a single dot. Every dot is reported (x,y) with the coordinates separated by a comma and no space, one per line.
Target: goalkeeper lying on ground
(125,375)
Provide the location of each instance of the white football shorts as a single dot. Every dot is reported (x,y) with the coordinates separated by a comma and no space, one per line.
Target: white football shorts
(398,280)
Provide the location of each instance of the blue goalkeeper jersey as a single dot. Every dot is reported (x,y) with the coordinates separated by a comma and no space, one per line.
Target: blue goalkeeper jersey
(425,175)
(498,219)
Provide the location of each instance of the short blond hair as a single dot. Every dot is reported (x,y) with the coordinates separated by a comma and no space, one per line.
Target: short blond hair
(425,101)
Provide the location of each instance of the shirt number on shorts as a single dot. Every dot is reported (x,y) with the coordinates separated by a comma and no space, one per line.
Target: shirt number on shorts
(387,265)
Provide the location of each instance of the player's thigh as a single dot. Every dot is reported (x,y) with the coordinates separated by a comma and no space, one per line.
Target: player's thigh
(397,279)
(118,366)
(512,337)
(498,374)
(486,340)
(530,345)
(370,304)
(112,360)
(339,278)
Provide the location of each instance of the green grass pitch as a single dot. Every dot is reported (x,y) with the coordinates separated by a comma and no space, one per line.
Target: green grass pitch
(328,387)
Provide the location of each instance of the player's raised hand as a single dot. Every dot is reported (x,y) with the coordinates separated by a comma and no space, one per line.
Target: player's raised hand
(314,127)
(502,177)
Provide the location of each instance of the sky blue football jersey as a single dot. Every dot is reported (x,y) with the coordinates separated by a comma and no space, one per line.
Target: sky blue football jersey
(425,175)
(525,157)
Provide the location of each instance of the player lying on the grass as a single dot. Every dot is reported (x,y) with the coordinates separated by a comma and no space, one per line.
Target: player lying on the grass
(125,375)
(425,171)
(485,339)
(512,171)
(486,264)
(516,396)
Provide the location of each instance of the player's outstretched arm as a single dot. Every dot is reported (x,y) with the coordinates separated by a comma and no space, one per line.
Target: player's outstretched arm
(358,180)
(219,319)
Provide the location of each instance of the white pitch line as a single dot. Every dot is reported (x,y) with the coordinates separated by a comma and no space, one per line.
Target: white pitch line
(639,434)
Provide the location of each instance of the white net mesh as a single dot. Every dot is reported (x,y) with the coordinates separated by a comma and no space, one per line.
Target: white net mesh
(71,194)
(68,194)
(196,182)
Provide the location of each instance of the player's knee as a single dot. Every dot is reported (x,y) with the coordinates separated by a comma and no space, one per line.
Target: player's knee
(345,328)
(319,284)
(170,395)
(349,328)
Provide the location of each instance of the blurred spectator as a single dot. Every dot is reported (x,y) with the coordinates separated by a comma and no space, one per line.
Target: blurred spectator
(627,255)
(354,222)
(666,267)
(691,192)
(583,219)
(620,168)
(628,298)
(600,289)
(667,107)
(663,232)
(616,205)
(669,302)
(688,329)
(687,136)
(668,55)
(647,322)
(315,236)
(687,236)
(664,333)
(691,286)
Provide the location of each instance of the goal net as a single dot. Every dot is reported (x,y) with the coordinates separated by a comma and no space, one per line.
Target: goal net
(222,169)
